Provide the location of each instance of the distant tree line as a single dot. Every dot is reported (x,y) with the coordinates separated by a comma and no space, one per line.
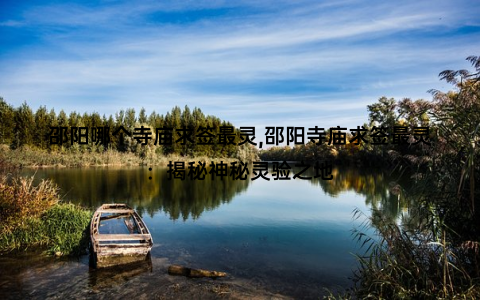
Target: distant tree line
(21,127)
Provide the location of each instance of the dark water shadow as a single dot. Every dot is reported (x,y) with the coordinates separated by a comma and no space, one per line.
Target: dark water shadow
(101,278)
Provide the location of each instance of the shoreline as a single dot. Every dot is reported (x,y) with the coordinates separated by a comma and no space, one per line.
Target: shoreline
(66,277)
(36,159)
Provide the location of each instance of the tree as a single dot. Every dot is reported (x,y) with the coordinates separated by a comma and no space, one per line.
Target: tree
(52,122)
(7,124)
(175,122)
(142,116)
(414,112)
(41,138)
(458,117)
(187,122)
(130,119)
(24,126)
(110,123)
(383,112)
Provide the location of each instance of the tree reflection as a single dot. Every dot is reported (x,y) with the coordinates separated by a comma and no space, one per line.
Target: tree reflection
(178,198)
(380,189)
(183,199)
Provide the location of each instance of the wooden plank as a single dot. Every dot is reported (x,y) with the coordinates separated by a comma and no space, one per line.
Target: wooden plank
(115,210)
(94,223)
(121,237)
(131,245)
(114,205)
(120,251)
(114,216)
(113,249)
(103,251)
(140,224)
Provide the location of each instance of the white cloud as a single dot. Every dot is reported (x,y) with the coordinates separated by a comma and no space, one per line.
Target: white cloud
(301,61)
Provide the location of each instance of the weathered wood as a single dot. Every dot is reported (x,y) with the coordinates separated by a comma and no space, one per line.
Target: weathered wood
(115,211)
(114,216)
(140,224)
(123,245)
(116,260)
(140,252)
(110,248)
(194,273)
(122,237)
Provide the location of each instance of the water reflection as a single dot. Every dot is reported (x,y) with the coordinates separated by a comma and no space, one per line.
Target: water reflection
(379,188)
(99,279)
(190,198)
(291,237)
(93,187)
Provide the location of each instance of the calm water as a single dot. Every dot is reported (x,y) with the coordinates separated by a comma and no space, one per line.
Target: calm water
(289,237)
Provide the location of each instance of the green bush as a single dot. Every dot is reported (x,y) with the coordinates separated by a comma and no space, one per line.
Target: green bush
(28,234)
(66,228)
(63,230)
(31,217)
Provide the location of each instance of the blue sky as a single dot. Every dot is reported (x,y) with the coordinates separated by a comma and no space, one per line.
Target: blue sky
(254,63)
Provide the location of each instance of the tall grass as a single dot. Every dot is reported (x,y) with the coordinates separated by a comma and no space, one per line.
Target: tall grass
(405,264)
(66,229)
(437,256)
(21,199)
(31,216)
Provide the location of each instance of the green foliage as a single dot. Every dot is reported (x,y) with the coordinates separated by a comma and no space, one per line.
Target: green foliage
(458,117)
(66,227)
(62,230)
(27,234)
(24,126)
(31,217)
(438,257)
(42,130)
(142,117)
(7,124)
(21,128)
(415,113)
(383,112)
(410,264)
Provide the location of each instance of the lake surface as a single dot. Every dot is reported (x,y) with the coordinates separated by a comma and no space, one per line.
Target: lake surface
(288,237)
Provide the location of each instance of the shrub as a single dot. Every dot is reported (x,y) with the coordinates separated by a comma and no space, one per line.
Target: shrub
(20,199)
(66,228)
(31,216)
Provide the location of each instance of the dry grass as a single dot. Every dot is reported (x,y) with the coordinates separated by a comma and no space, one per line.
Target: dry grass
(20,199)
(32,216)
(28,157)
(411,265)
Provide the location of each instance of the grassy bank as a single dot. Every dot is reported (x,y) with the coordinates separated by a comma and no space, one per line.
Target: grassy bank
(33,217)
(34,157)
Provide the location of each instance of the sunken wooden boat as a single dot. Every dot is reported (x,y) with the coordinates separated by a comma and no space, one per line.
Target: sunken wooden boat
(118,236)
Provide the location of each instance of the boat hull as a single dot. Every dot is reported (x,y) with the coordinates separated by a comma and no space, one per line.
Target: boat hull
(110,249)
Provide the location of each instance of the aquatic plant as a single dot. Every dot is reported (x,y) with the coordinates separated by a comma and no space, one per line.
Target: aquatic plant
(404,264)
